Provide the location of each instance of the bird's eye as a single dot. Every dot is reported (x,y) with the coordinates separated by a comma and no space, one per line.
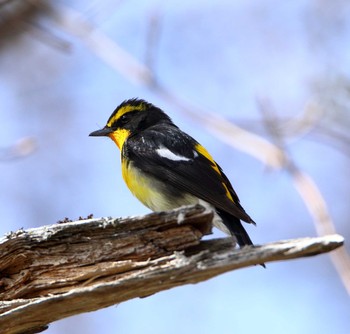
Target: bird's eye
(124,119)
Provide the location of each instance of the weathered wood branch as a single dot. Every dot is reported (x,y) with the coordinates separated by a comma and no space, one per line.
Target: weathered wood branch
(53,272)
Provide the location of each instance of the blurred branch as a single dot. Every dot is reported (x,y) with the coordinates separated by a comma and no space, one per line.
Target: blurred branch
(271,154)
(108,50)
(47,36)
(23,147)
(14,11)
(105,48)
(52,272)
(152,40)
(334,138)
(314,121)
(309,192)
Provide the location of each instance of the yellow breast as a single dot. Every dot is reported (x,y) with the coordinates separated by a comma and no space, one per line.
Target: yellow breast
(151,192)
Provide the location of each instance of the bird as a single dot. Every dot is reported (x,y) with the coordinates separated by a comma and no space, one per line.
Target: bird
(166,168)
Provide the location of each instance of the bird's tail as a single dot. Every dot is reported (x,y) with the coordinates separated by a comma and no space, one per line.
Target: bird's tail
(234,225)
(236,228)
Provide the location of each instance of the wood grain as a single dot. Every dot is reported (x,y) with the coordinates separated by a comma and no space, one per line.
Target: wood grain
(52,272)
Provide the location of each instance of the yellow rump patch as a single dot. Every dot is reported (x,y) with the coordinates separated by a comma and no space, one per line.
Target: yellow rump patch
(119,136)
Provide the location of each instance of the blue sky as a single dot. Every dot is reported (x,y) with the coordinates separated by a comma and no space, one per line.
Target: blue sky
(221,56)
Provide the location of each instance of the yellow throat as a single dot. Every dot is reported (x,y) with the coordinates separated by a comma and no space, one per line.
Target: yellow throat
(119,137)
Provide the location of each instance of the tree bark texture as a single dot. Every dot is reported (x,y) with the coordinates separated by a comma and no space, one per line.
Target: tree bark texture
(52,272)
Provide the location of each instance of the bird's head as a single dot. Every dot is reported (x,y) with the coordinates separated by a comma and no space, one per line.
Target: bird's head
(131,116)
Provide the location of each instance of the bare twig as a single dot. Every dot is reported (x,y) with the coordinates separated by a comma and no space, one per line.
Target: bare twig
(23,147)
(52,272)
(119,59)
(152,41)
(47,36)
(105,48)
(310,194)
(270,154)
(14,11)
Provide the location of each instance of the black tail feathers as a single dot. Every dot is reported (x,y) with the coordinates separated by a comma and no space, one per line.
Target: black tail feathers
(236,229)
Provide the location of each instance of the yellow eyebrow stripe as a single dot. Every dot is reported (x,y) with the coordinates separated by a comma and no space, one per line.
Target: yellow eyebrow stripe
(123,110)
(202,150)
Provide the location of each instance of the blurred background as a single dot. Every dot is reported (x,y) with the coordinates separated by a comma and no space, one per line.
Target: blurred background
(264,85)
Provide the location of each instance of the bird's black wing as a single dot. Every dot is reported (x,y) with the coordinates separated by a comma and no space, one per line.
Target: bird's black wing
(174,157)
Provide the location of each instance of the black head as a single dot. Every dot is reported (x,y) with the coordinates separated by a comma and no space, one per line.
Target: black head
(133,115)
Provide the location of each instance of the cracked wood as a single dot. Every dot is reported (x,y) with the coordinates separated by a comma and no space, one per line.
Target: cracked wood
(53,272)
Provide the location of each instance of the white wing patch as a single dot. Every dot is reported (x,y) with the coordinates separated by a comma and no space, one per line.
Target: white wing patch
(167,154)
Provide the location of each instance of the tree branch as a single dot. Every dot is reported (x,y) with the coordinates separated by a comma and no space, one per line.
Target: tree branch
(52,272)
(76,24)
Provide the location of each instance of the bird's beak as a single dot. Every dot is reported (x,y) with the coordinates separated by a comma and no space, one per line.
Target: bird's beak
(103,132)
